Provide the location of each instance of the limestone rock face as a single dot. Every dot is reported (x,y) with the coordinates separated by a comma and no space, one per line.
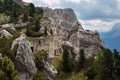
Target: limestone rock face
(5,33)
(0,55)
(63,19)
(67,25)
(9,27)
(24,59)
(71,48)
(49,70)
(88,40)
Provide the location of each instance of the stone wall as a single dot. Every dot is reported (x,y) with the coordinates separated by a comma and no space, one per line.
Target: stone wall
(52,43)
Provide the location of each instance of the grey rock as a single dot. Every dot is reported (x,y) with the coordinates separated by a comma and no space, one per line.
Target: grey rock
(9,27)
(5,34)
(49,70)
(69,27)
(24,59)
(88,40)
(71,48)
(64,20)
(0,55)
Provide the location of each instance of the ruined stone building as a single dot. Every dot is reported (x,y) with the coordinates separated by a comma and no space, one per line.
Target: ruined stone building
(52,43)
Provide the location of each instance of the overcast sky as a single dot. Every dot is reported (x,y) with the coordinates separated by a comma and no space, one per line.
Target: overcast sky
(100,15)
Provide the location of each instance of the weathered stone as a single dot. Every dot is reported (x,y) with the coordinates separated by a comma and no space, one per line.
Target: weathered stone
(63,19)
(24,59)
(88,40)
(5,34)
(49,70)
(71,48)
(67,25)
(9,27)
(51,43)
(0,55)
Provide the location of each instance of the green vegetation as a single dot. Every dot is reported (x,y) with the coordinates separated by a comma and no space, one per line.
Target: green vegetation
(66,61)
(39,76)
(105,65)
(3,19)
(57,62)
(5,46)
(39,56)
(51,31)
(37,25)
(45,31)
(81,60)
(7,69)
(116,65)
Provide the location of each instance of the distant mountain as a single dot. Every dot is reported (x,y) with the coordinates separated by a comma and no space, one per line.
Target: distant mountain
(112,38)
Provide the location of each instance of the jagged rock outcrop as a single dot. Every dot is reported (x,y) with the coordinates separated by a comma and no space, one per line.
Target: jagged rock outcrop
(71,48)
(5,34)
(9,27)
(67,25)
(0,55)
(49,70)
(24,59)
(88,40)
(63,19)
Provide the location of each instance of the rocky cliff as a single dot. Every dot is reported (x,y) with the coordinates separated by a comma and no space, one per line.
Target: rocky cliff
(67,25)
(24,60)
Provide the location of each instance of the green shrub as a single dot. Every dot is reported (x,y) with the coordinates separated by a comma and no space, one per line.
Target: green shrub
(39,56)
(39,76)
(7,69)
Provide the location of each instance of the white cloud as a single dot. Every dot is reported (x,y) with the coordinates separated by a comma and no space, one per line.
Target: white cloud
(28,0)
(51,2)
(99,25)
(74,1)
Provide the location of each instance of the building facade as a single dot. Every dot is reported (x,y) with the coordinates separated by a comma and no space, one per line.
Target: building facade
(51,43)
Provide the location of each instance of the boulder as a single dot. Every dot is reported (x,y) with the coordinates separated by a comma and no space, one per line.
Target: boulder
(5,34)
(9,27)
(0,55)
(24,60)
(49,70)
(71,48)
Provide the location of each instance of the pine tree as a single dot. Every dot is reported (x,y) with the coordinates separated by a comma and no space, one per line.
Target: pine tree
(51,32)
(31,9)
(37,25)
(7,69)
(45,32)
(66,61)
(116,64)
(81,59)
(103,66)
(25,16)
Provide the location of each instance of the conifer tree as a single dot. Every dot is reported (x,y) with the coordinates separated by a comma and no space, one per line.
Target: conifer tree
(81,59)
(51,32)
(7,69)
(45,32)
(31,9)
(25,16)
(103,66)
(37,25)
(116,64)
(66,61)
